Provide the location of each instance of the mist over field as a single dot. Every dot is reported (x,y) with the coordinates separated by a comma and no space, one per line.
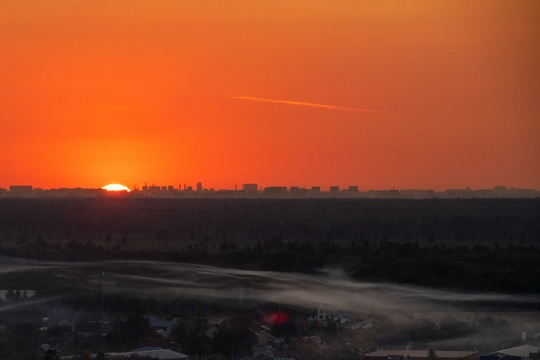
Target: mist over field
(451,274)
(404,306)
(329,287)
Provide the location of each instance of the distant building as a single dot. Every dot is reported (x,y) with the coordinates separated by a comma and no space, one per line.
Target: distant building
(459,193)
(416,194)
(316,189)
(199,186)
(297,191)
(249,188)
(383,193)
(275,190)
(334,189)
(20,190)
(353,189)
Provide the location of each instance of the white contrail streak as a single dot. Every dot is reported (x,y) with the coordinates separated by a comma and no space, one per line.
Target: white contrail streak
(303,103)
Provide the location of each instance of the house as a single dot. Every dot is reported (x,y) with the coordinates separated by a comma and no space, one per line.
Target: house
(498,356)
(161,327)
(310,345)
(419,355)
(18,294)
(323,315)
(99,327)
(523,352)
(286,355)
(264,337)
(394,342)
(350,322)
(150,352)
(211,331)
(266,350)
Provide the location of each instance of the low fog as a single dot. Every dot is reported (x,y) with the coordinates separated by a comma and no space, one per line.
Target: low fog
(396,306)
(328,287)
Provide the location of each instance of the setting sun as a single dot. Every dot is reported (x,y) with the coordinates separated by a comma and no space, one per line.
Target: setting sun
(116,187)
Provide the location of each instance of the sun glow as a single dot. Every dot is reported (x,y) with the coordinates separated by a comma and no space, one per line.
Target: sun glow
(116,187)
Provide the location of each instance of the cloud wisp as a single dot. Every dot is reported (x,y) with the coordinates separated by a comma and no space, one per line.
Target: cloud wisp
(303,103)
(328,288)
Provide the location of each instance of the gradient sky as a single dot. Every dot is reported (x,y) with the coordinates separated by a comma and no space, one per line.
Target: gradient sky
(380,94)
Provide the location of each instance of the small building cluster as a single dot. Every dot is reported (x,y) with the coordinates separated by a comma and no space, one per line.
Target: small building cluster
(324,333)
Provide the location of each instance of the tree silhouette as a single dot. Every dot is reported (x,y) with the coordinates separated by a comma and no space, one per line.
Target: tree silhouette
(51,354)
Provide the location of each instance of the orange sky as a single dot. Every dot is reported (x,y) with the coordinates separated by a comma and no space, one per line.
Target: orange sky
(379,94)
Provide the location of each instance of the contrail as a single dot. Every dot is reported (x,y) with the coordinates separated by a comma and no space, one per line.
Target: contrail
(302,103)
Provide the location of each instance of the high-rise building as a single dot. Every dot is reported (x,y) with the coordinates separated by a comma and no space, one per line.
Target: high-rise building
(249,188)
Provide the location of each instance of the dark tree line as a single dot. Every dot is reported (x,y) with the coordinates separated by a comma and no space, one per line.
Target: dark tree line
(103,220)
(489,244)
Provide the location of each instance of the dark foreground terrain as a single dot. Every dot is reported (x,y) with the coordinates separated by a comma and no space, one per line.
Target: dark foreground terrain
(481,244)
(235,278)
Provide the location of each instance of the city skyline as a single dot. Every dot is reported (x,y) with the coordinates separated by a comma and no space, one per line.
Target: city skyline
(253,190)
(380,95)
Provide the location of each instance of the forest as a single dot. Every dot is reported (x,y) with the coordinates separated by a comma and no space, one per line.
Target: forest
(471,244)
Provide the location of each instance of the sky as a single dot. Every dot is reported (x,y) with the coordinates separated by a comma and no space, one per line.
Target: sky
(379,94)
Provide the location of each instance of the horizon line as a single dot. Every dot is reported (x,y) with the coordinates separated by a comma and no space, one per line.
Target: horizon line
(260,188)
